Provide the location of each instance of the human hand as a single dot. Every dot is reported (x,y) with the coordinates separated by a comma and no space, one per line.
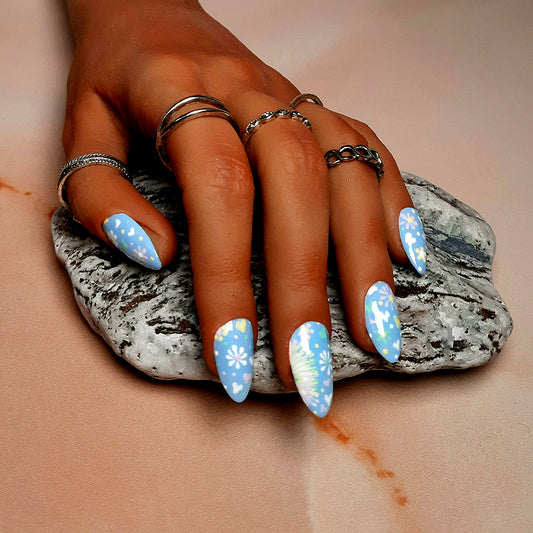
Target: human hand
(135,59)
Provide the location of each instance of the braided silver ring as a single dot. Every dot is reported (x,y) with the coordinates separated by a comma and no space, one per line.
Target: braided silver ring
(255,124)
(355,153)
(169,122)
(305,97)
(83,161)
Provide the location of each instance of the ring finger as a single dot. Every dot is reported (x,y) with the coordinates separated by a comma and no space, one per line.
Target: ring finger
(359,234)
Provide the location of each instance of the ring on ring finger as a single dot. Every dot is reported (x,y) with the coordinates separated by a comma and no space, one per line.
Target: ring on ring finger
(358,152)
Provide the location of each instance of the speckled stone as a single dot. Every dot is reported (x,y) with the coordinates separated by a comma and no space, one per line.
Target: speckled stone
(452,317)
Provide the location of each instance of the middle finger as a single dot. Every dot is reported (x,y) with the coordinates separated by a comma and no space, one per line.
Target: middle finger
(293,179)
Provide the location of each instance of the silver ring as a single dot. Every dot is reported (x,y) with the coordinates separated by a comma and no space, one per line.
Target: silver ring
(83,161)
(168,122)
(255,124)
(306,97)
(355,153)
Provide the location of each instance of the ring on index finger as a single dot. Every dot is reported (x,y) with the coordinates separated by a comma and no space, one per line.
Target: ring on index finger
(170,121)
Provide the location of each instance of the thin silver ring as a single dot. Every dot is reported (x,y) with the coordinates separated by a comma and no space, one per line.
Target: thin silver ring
(358,152)
(83,161)
(305,97)
(255,124)
(168,122)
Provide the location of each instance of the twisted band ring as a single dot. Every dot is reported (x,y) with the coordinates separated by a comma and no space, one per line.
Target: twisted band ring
(255,124)
(355,153)
(83,161)
(168,122)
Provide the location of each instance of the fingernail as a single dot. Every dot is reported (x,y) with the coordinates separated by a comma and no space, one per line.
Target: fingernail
(131,239)
(310,359)
(413,238)
(234,353)
(383,321)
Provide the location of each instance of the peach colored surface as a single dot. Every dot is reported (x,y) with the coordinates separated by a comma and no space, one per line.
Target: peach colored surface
(89,445)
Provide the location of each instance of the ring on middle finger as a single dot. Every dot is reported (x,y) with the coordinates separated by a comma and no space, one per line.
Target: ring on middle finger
(255,124)
(358,152)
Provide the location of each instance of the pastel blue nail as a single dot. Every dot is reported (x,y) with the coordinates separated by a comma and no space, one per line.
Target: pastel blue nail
(310,359)
(413,238)
(234,353)
(131,239)
(383,321)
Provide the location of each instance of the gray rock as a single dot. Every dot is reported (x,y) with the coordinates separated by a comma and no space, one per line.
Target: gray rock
(452,317)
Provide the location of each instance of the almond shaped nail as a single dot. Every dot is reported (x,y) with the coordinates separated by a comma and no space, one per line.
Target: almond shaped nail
(131,239)
(413,238)
(383,321)
(310,360)
(234,351)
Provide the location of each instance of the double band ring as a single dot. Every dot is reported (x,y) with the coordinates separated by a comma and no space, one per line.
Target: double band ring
(355,153)
(255,124)
(170,121)
(83,161)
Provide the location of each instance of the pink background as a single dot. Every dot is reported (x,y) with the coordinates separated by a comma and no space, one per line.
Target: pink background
(88,445)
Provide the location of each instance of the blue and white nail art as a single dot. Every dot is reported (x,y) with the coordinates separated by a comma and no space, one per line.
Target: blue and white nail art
(131,239)
(413,238)
(383,321)
(234,350)
(310,359)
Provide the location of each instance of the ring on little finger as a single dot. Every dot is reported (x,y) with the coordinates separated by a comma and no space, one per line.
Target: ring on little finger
(355,153)
(305,97)
(170,121)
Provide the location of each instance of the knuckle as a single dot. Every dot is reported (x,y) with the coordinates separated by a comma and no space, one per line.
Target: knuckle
(355,138)
(221,269)
(242,70)
(227,177)
(157,66)
(373,238)
(307,273)
(169,70)
(301,156)
(364,130)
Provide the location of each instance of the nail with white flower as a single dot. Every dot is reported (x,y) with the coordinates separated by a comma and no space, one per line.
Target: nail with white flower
(131,239)
(383,321)
(310,359)
(234,350)
(413,238)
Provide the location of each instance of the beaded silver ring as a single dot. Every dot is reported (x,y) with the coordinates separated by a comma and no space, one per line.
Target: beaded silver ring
(255,124)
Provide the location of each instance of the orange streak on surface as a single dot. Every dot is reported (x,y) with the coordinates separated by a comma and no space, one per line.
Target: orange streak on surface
(363,454)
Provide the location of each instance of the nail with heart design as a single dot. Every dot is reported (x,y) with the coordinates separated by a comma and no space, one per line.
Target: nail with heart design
(234,350)
(413,238)
(131,239)
(383,321)
(310,360)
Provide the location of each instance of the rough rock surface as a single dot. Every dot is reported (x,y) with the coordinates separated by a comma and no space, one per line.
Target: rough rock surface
(452,317)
